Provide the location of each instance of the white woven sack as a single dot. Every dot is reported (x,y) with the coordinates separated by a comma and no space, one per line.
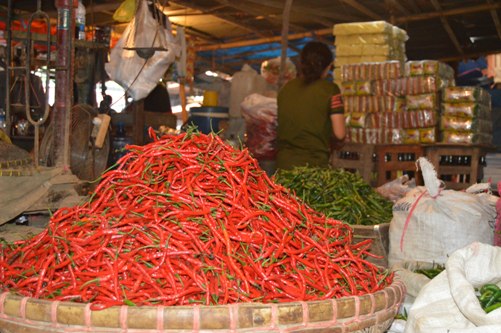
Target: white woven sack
(430,223)
(448,303)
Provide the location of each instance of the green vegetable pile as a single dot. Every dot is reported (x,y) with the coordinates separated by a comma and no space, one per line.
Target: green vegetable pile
(490,297)
(338,194)
(430,273)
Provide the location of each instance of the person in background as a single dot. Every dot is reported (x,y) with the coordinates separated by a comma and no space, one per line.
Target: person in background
(310,112)
(158,100)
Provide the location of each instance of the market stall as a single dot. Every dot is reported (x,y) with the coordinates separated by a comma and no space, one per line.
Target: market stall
(168,221)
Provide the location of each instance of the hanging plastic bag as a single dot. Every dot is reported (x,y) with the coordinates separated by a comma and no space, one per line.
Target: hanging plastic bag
(125,12)
(397,188)
(139,75)
(260,114)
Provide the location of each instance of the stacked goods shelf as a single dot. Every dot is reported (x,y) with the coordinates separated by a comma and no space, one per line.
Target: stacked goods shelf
(385,104)
(465,136)
(367,42)
(466,116)
(428,79)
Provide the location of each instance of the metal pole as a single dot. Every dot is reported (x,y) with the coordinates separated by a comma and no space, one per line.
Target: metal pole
(8,63)
(64,81)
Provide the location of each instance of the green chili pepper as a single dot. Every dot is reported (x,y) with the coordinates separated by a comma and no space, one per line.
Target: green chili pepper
(338,194)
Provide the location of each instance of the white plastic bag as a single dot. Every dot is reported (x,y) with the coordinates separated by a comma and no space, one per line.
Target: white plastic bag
(430,223)
(243,83)
(260,114)
(397,188)
(136,75)
(448,303)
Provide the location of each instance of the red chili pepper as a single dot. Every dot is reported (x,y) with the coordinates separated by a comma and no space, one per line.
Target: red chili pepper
(185,220)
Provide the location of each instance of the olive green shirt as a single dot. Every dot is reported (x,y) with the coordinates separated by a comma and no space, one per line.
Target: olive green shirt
(304,126)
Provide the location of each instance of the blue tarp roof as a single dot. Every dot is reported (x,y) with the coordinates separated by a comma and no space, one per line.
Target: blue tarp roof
(231,60)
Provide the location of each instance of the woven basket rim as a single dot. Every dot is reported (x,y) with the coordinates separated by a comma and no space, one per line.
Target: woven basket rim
(367,309)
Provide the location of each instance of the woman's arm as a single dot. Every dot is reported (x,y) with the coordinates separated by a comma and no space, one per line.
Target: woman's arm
(338,126)
(337,116)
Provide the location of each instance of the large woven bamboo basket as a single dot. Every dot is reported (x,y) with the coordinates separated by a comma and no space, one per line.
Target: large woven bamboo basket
(371,313)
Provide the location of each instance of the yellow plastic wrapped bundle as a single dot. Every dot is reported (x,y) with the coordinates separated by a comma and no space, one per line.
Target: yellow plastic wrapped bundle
(420,102)
(356,88)
(429,67)
(459,124)
(466,94)
(348,50)
(371,70)
(469,137)
(466,110)
(371,39)
(373,104)
(466,116)
(355,28)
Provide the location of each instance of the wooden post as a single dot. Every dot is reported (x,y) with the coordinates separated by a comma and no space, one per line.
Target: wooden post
(285,39)
(182,97)
(64,81)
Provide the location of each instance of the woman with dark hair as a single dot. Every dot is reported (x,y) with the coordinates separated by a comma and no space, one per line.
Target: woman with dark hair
(310,112)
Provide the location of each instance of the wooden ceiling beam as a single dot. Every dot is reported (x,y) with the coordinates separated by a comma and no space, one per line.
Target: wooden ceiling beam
(362,9)
(221,17)
(450,12)
(249,9)
(397,5)
(495,19)
(263,40)
(412,4)
(309,11)
(447,27)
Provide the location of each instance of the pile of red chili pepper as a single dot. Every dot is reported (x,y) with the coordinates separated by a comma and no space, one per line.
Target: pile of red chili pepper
(188,219)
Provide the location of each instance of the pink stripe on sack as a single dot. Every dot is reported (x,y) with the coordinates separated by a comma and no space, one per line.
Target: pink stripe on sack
(408,219)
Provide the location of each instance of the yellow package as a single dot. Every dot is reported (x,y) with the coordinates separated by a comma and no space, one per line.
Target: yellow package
(354,28)
(428,135)
(125,12)
(363,39)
